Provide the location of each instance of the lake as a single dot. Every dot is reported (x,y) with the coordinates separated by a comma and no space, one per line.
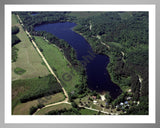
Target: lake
(98,77)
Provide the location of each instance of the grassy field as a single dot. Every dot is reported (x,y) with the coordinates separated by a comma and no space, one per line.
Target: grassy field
(125,15)
(24,108)
(56,107)
(14,19)
(28,59)
(58,63)
(115,45)
(88,112)
(83,14)
(32,87)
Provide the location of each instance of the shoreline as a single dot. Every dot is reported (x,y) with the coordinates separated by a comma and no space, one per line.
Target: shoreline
(110,73)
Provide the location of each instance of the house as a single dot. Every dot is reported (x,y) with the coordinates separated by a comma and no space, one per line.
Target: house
(129,98)
(121,103)
(117,106)
(102,97)
(94,97)
(134,102)
(129,90)
(94,102)
(126,102)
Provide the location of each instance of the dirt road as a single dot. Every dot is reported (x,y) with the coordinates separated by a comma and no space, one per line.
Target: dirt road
(48,66)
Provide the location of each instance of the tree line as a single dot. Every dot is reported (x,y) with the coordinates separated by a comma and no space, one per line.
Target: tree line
(15,40)
(43,90)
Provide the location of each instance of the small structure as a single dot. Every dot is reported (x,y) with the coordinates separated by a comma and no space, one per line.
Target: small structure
(121,103)
(134,102)
(102,97)
(106,103)
(94,97)
(94,102)
(117,106)
(129,90)
(127,106)
(126,102)
(129,98)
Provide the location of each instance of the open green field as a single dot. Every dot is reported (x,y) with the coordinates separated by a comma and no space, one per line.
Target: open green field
(88,112)
(28,59)
(14,19)
(58,63)
(24,108)
(84,14)
(114,45)
(33,89)
(55,107)
(125,15)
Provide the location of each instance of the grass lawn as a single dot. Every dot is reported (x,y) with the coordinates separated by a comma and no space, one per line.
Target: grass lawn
(88,112)
(55,107)
(96,107)
(28,58)
(24,108)
(58,63)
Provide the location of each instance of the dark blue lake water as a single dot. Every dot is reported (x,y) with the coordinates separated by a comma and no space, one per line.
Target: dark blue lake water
(98,77)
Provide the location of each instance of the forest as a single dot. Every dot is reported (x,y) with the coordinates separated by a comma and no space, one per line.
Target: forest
(123,39)
(127,46)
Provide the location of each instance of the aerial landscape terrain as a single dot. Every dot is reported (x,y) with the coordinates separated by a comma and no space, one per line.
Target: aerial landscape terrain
(80,63)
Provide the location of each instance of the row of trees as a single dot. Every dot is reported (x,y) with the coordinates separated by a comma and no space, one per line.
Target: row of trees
(15,39)
(72,111)
(33,109)
(15,30)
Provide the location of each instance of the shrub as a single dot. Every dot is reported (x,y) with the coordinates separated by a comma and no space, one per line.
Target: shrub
(33,110)
(15,40)
(15,30)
